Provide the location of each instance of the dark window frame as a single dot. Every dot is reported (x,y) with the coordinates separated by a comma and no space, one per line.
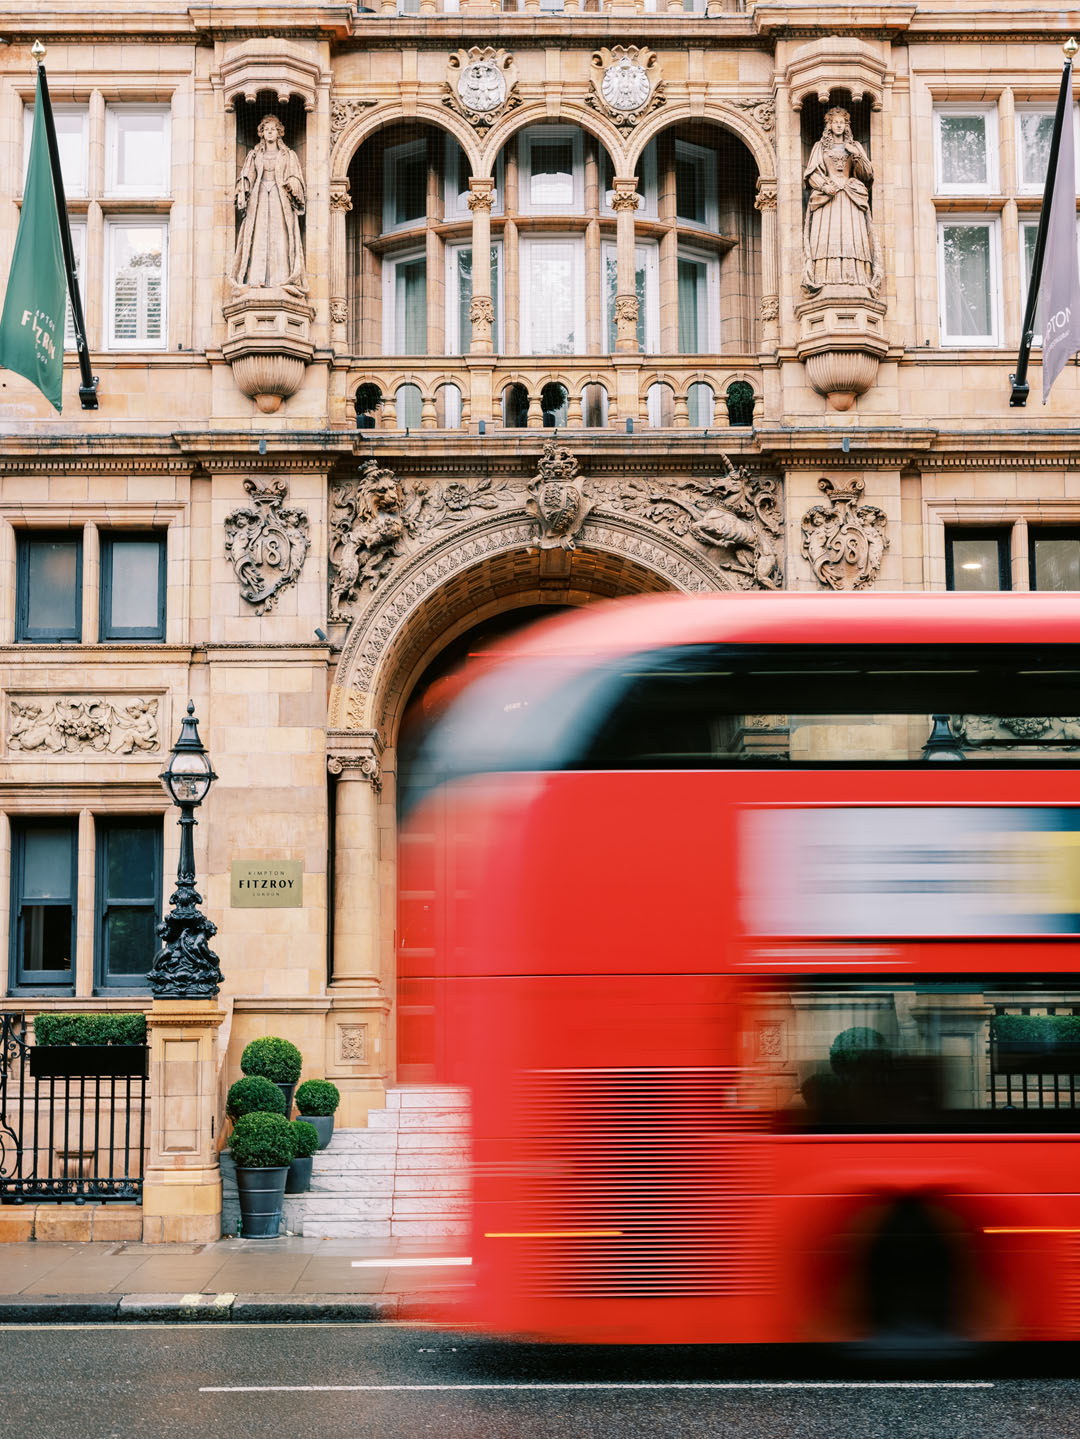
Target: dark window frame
(1003,536)
(109,541)
(60,982)
(104,983)
(1047,532)
(23,632)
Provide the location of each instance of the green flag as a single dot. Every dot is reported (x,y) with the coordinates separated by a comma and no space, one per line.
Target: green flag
(32,326)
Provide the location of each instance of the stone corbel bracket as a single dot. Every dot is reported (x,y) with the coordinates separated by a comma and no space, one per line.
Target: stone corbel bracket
(284,67)
(268,345)
(841,342)
(837,62)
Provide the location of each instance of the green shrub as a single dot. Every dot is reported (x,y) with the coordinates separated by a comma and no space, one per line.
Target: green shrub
(90,1029)
(856,1050)
(273,1058)
(254,1095)
(263,1141)
(306,1137)
(318,1097)
(1037,1029)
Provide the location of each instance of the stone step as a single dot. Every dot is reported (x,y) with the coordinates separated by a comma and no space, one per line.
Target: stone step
(362,1139)
(345,1229)
(425,1097)
(346,1184)
(432,1183)
(341,1206)
(430,1206)
(428,1229)
(380,1120)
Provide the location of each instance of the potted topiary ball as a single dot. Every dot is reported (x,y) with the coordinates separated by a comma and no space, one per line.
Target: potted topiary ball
(252,1095)
(317,1099)
(263,1146)
(307,1142)
(274,1059)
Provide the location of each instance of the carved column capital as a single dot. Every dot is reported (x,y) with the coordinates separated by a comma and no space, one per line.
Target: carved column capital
(625,196)
(765,199)
(481,193)
(340,199)
(482,311)
(356,756)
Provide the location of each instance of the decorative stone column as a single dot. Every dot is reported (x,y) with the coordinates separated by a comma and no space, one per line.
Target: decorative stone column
(340,205)
(182,1186)
(765,204)
(482,307)
(357,1043)
(624,202)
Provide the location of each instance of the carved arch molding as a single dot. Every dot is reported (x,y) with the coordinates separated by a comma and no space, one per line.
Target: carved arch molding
(376,653)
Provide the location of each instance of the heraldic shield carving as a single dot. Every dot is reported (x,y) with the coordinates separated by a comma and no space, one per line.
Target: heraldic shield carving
(267,544)
(844,540)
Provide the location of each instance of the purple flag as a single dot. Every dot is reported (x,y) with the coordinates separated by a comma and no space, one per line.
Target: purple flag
(1059,292)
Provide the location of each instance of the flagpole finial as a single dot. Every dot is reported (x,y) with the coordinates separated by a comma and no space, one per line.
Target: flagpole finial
(1070,47)
(37,50)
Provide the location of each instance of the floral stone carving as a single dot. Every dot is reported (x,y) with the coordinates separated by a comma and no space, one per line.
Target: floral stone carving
(625,84)
(267,544)
(481,85)
(1061,731)
(82,726)
(736,517)
(555,498)
(844,540)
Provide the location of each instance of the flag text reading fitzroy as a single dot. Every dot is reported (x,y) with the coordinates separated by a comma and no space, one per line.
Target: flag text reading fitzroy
(32,325)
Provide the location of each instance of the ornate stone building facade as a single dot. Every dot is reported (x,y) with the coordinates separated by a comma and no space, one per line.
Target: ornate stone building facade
(762,269)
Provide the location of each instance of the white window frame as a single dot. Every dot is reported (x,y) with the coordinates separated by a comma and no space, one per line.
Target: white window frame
(972,342)
(459,344)
(456,183)
(712,296)
(1032,223)
(112,150)
(390,264)
(1035,187)
(70,191)
(390,156)
(992,185)
(544,134)
(648,209)
(649,252)
(528,244)
(113,224)
(78,247)
(700,154)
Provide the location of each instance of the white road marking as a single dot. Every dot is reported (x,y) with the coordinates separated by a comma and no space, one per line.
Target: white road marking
(412,1263)
(589,1385)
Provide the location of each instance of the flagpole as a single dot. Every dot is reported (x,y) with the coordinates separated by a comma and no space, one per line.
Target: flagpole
(1019,382)
(88,389)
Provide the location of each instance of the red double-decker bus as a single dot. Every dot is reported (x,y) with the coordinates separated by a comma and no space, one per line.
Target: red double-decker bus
(753,929)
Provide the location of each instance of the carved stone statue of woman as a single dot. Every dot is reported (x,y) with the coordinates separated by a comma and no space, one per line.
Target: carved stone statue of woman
(838,235)
(270,196)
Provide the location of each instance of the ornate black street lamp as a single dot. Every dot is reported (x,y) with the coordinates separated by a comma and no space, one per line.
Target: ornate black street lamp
(185,967)
(942,744)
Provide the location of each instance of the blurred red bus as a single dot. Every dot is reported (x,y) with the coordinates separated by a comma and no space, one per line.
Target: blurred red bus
(751,923)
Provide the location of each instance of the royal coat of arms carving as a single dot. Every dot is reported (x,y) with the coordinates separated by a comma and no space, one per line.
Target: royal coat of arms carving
(482,84)
(844,540)
(267,544)
(555,498)
(625,84)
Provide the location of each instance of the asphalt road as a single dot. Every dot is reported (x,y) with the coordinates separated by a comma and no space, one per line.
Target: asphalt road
(248,1382)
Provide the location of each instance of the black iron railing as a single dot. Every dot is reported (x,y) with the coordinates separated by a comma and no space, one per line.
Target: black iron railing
(72,1118)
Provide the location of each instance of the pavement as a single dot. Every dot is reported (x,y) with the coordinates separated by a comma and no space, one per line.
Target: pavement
(289,1279)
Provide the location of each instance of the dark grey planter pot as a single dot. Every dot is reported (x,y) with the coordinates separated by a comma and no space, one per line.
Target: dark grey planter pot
(323,1124)
(299,1180)
(262,1198)
(288,1090)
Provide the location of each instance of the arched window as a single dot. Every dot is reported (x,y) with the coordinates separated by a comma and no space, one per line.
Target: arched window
(515,407)
(740,403)
(594,407)
(700,402)
(366,401)
(661,406)
(448,407)
(554,405)
(408,407)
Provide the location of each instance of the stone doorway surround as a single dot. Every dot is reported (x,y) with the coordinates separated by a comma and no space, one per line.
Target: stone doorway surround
(462,552)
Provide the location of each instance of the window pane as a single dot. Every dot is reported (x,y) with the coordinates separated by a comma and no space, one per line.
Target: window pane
(408,179)
(130,941)
(134,573)
(1057,563)
(142,162)
(975,563)
(1028,236)
(1036,130)
(689,186)
(409,407)
(700,405)
(47,863)
(130,871)
(611,277)
(46,943)
(968,306)
(691,296)
(551,173)
(52,586)
(463,280)
(963,150)
(70,141)
(138,283)
(410,303)
(78,248)
(550,276)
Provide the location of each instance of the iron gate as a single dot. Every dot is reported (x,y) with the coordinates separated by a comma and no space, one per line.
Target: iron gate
(70,1135)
